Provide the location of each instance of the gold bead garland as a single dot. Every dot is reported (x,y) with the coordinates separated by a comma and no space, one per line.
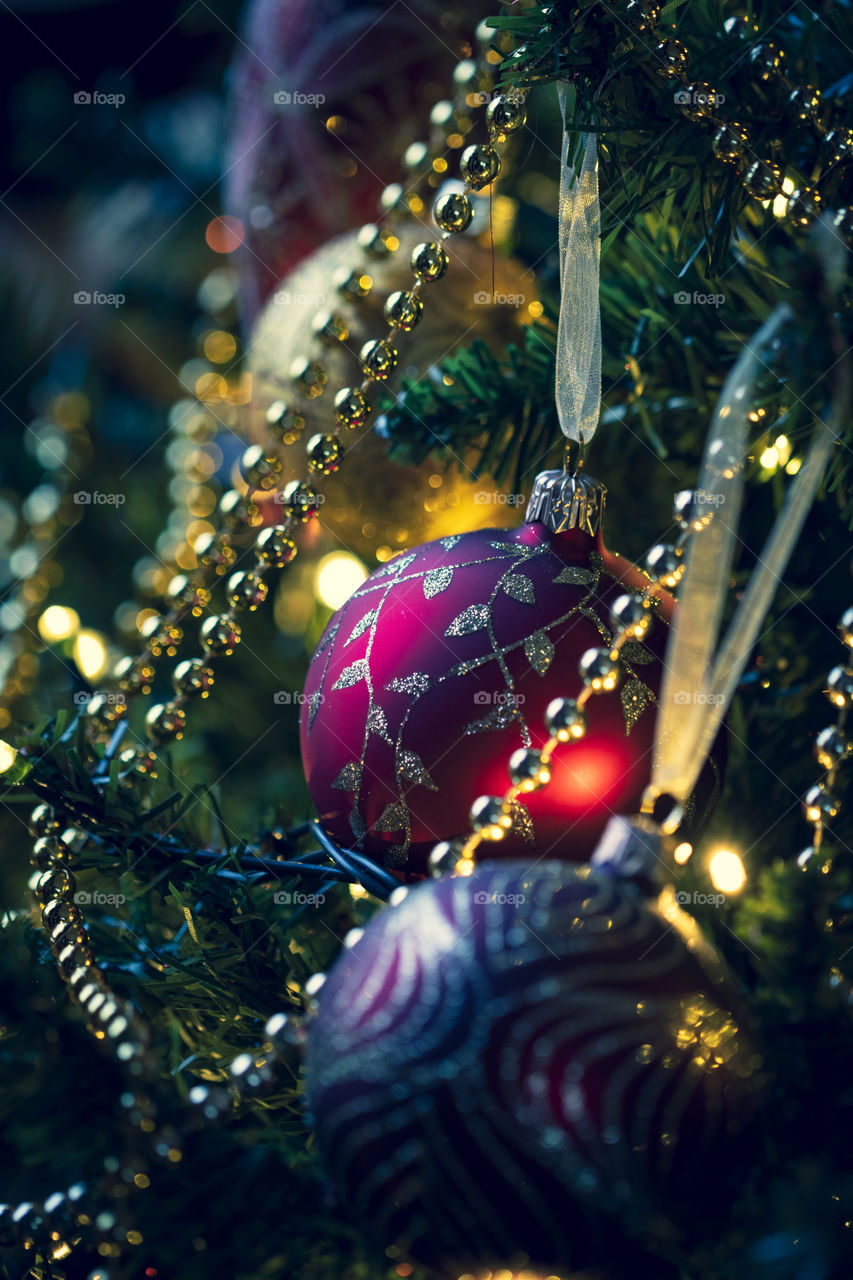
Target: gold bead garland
(832,745)
(261,469)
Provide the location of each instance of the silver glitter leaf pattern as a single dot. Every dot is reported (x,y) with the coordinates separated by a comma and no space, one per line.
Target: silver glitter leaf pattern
(313,707)
(349,778)
(576,576)
(410,768)
(522,823)
(418,682)
(499,717)
(394,817)
(450,542)
(635,696)
(540,651)
(636,654)
(376,722)
(361,626)
(436,581)
(326,639)
(397,565)
(351,675)
(357,825)
(472,619)
(519,586)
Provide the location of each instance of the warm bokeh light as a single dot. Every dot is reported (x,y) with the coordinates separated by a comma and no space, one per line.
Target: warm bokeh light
(220,346)
(770,458)
(727,872)
(58,623)
(8,756)
(90,654)
(339,574)
(682,852)
(225,234)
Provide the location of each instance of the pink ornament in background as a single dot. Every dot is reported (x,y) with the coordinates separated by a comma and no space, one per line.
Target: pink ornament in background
(292,182)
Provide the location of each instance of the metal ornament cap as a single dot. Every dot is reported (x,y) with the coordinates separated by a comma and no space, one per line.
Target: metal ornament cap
(562,501)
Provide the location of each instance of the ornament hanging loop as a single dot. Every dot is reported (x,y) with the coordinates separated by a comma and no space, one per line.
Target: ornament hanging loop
(574,459)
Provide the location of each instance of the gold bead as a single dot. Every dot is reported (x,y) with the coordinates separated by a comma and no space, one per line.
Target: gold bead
(766,59)
(803,207)
(403,310)
(845,628)
(599,670)
(506,114)
(325,454)
(246,590)
(188,595)
(762,180)
(330,328)
(300,500)
(219,636)
(161,636)
(729,143)
(697,101)
(378,359)
(479,166)
(672,58)
(193,678)
(805,103)
(429,261)
(214,550)
(164,722)
(490,816)
(310,376)
(528,770)
(453,212)
(351,408)
(665,564)
(139,760)
(104,710)
(238,511)
(355,284)
(43,821)
(259,468)
(274,547)
(284,423)
(377,242)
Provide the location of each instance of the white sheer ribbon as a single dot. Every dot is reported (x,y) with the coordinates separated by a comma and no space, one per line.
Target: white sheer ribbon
(579,331)
(698,687)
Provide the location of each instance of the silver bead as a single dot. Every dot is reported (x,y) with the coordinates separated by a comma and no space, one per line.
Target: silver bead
(819,805)
(839,688)
(564,719)
(600,670)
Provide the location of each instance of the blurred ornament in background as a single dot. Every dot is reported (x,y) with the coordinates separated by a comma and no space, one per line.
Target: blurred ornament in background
(378,502)
(293,182)
(533,1063)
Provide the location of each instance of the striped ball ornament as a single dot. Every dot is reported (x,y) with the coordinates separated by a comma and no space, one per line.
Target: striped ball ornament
(533,1069)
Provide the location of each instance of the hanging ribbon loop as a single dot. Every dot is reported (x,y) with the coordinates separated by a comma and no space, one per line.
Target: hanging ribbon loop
(578,386)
